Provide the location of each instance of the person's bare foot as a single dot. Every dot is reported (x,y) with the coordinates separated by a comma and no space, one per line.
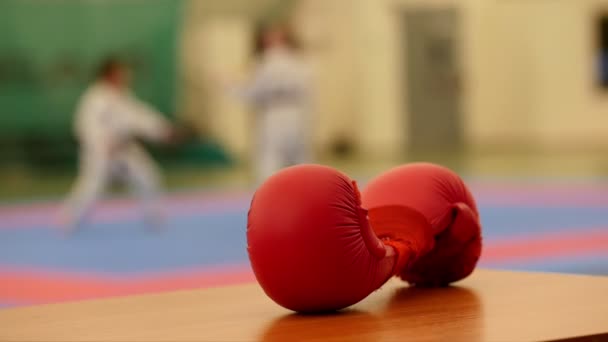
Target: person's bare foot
(156,224)
(65,223)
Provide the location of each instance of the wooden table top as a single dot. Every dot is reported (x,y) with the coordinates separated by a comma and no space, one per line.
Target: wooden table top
(488,306)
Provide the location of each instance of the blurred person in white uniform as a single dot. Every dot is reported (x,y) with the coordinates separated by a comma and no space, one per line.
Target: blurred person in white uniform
(109,120)
(281,95)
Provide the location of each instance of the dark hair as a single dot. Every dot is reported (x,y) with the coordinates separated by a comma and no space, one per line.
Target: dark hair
(109,65)
(262,28)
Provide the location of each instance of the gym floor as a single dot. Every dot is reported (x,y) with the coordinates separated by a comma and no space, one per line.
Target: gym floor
(539,212)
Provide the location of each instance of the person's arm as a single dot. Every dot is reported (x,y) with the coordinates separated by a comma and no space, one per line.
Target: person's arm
(251,91)
(145,121)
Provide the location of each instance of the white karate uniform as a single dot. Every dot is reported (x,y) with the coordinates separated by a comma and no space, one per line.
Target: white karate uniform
(281,94)
(107,124)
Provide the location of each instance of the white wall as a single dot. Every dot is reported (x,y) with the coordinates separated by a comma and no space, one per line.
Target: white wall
(220,44)
(213,48)
(536,82)
(528,73)
(570,109)
(327,28)
(528,68)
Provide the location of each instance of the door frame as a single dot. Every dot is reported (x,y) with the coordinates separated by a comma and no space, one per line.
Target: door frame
(402,7)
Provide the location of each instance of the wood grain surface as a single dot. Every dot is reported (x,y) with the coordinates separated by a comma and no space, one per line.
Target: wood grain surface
(488,306)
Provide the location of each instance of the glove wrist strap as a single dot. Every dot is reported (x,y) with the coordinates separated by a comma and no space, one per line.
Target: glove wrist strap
(404,229)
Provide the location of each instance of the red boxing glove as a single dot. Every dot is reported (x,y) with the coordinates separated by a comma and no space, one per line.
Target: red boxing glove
(439,197)
(309,241)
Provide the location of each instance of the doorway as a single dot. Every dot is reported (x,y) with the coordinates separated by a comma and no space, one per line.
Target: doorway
(433,80)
